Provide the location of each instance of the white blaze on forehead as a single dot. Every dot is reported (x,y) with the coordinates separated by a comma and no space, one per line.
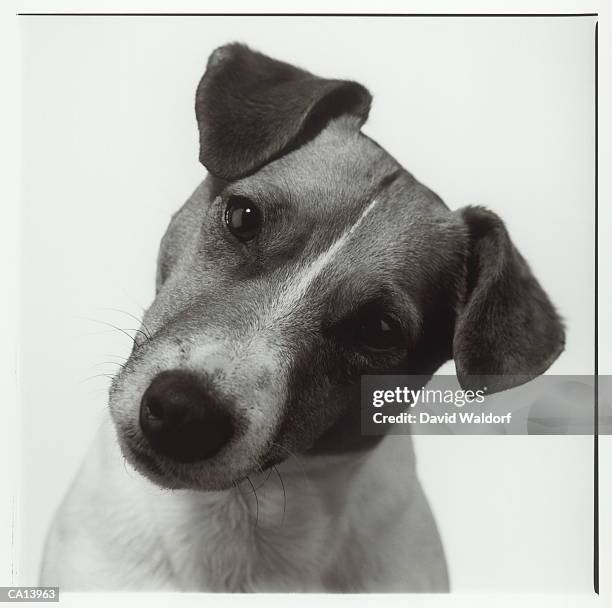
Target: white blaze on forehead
(297,287)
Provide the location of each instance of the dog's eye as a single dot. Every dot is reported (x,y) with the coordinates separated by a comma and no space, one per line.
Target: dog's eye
(378,330)
(243,218)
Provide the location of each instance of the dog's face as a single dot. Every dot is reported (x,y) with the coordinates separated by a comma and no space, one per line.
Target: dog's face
(307,258)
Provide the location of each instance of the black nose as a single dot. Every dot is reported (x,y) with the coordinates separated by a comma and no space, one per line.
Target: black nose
(183,420)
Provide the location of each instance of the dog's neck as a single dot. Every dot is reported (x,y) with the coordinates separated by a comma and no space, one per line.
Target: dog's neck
(272,521)
(284,526)
(264,493)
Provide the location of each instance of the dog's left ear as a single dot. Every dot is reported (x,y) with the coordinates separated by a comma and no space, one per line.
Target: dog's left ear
(507,328)
(251,109)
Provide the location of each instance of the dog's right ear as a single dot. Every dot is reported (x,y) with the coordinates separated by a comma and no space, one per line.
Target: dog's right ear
(252,109)
(507,331)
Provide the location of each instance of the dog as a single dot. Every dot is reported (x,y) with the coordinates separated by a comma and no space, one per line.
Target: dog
(307,258)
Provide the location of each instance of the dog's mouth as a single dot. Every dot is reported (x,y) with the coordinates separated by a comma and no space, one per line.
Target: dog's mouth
(142,459)
(214,474)
(180,429)
(150,467)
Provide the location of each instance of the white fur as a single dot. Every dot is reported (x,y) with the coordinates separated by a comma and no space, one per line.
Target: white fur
(351,523)
(298,286)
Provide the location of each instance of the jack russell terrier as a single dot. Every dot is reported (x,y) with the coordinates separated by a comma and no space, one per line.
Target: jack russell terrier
(307,258)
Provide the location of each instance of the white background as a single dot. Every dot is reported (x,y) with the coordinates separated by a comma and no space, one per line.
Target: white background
(489,111)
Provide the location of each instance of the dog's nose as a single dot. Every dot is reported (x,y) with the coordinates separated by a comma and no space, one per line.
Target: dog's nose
(182,420)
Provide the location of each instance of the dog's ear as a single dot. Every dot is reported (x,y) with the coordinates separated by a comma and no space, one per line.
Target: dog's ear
(507,330)
(251,109)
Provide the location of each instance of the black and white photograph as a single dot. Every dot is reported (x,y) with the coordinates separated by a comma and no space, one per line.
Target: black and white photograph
(309,303)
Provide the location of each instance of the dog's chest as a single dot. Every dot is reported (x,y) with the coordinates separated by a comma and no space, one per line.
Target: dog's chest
(233,543)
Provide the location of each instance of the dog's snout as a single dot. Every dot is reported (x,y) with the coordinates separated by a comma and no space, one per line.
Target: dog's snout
(182,419)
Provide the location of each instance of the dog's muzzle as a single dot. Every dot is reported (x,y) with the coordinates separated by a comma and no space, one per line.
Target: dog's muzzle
(182,419)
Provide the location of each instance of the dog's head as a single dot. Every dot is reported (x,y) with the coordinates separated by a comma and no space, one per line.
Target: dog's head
(307,258)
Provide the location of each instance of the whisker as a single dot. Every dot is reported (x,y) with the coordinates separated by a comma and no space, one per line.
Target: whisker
(237,487)
(293,454)
(133,300)
(129,314)
(243,498)
(256,501)
(140,331)
(123,331)
(88,334)
(110,376)
(124,359)
(284,493)
(121,365)
(263,483)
